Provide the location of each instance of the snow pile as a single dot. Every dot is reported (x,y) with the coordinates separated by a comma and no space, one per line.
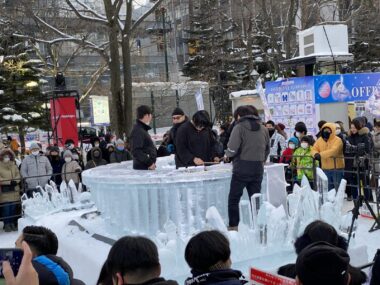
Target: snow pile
(15,118)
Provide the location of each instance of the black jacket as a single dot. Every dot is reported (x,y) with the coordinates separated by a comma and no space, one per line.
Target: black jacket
(144,151)
(219,277)
(118,156)
(173,132)
(94,162)
(191,143)
(57,164)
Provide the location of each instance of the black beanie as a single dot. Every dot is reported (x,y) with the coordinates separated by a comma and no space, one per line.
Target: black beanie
(322,263)
(178,111)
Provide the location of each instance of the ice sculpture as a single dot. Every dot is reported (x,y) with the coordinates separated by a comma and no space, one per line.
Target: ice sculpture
(49,200)
(141,202)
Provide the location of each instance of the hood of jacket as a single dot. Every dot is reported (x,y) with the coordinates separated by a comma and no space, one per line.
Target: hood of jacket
(250,122)
(8,152)
(361,132)
(96,149)
(158,281)
(332,127)
(213,277)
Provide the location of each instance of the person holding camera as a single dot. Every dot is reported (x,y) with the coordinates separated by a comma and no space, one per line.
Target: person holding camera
(358,145)
(9,189)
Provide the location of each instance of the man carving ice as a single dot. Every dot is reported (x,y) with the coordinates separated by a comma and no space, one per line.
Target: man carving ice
(143,149)
(249,147)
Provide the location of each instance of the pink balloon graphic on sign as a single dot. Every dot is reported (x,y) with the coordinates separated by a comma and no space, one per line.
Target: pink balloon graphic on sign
(324,90)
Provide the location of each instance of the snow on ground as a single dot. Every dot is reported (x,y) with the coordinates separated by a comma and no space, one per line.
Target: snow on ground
(86,254)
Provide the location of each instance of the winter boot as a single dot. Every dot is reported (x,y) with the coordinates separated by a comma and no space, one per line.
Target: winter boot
(14,227)
(8,228)
(233,229)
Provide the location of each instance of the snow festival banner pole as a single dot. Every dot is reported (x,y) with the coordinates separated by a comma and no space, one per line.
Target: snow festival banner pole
(260,90)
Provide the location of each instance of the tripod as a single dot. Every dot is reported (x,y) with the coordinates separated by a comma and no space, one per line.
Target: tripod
(359,202)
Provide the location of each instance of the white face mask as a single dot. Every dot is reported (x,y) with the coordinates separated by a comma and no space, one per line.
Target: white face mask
(67,159)
(304,145)
(298,134)
(292,146)
(6,159)
(35,153)
(97,145)
(337,132)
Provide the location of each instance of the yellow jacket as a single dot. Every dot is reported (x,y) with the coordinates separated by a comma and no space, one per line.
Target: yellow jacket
(330,149)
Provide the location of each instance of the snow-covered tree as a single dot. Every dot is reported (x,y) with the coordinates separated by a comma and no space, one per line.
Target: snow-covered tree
(22,101)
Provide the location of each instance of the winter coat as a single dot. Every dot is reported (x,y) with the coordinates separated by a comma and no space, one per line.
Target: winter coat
(304,162)
(51,268)
(173,132)
(191,143)
(70,172)
(362,139)
(144,151)
(36,166)
(329,150)
(119,156)
(376,143)
(94,162)
(14,145)
(57,164)
(9,171)
(277,144)
(249,145)
(217,277)
(287,156)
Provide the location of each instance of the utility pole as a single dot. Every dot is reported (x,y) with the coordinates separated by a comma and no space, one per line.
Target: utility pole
(163,11)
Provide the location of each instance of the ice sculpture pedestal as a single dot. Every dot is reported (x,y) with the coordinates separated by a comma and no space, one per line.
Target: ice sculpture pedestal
(142,202)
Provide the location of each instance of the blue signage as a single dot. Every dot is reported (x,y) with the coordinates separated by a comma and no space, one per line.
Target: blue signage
(346,87)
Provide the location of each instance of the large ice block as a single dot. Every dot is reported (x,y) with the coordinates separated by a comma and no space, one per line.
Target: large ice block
(141,202)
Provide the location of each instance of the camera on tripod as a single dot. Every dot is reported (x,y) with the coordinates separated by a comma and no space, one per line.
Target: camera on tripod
(357,150)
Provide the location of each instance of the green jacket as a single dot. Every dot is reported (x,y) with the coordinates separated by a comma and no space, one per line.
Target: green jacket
(303,163)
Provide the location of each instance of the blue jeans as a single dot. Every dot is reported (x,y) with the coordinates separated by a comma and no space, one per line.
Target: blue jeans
(8,212)
(334,177)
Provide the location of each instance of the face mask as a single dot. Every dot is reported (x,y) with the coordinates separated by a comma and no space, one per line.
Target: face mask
(292,146)
(304,145)
(71,146)
(121,148)
(326,135)
(97,145)
(271,132)
(6,158)
(337,132)
(68,159)
(35,153)
(298,134)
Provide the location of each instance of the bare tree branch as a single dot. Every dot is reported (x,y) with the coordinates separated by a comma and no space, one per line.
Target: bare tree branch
(84,17)
(94,78)
(143,17)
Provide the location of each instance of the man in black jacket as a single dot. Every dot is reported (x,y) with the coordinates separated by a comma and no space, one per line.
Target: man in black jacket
(179,118)
(195,142)
(249,146)
(144,151)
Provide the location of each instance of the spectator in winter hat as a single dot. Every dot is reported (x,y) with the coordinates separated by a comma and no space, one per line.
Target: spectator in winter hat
(319,231)
(36,169)
(323,263)
(97,158)
(208,255)
(288,152)
(71,168)
(320,125)
(280,128)
(133,260)
(120,154)
(178,117)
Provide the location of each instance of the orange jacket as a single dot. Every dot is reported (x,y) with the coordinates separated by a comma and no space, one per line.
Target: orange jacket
(14,145)
(329,150)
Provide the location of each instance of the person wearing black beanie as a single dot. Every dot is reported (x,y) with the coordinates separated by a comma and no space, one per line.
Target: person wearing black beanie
(179,118)
(323,263)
